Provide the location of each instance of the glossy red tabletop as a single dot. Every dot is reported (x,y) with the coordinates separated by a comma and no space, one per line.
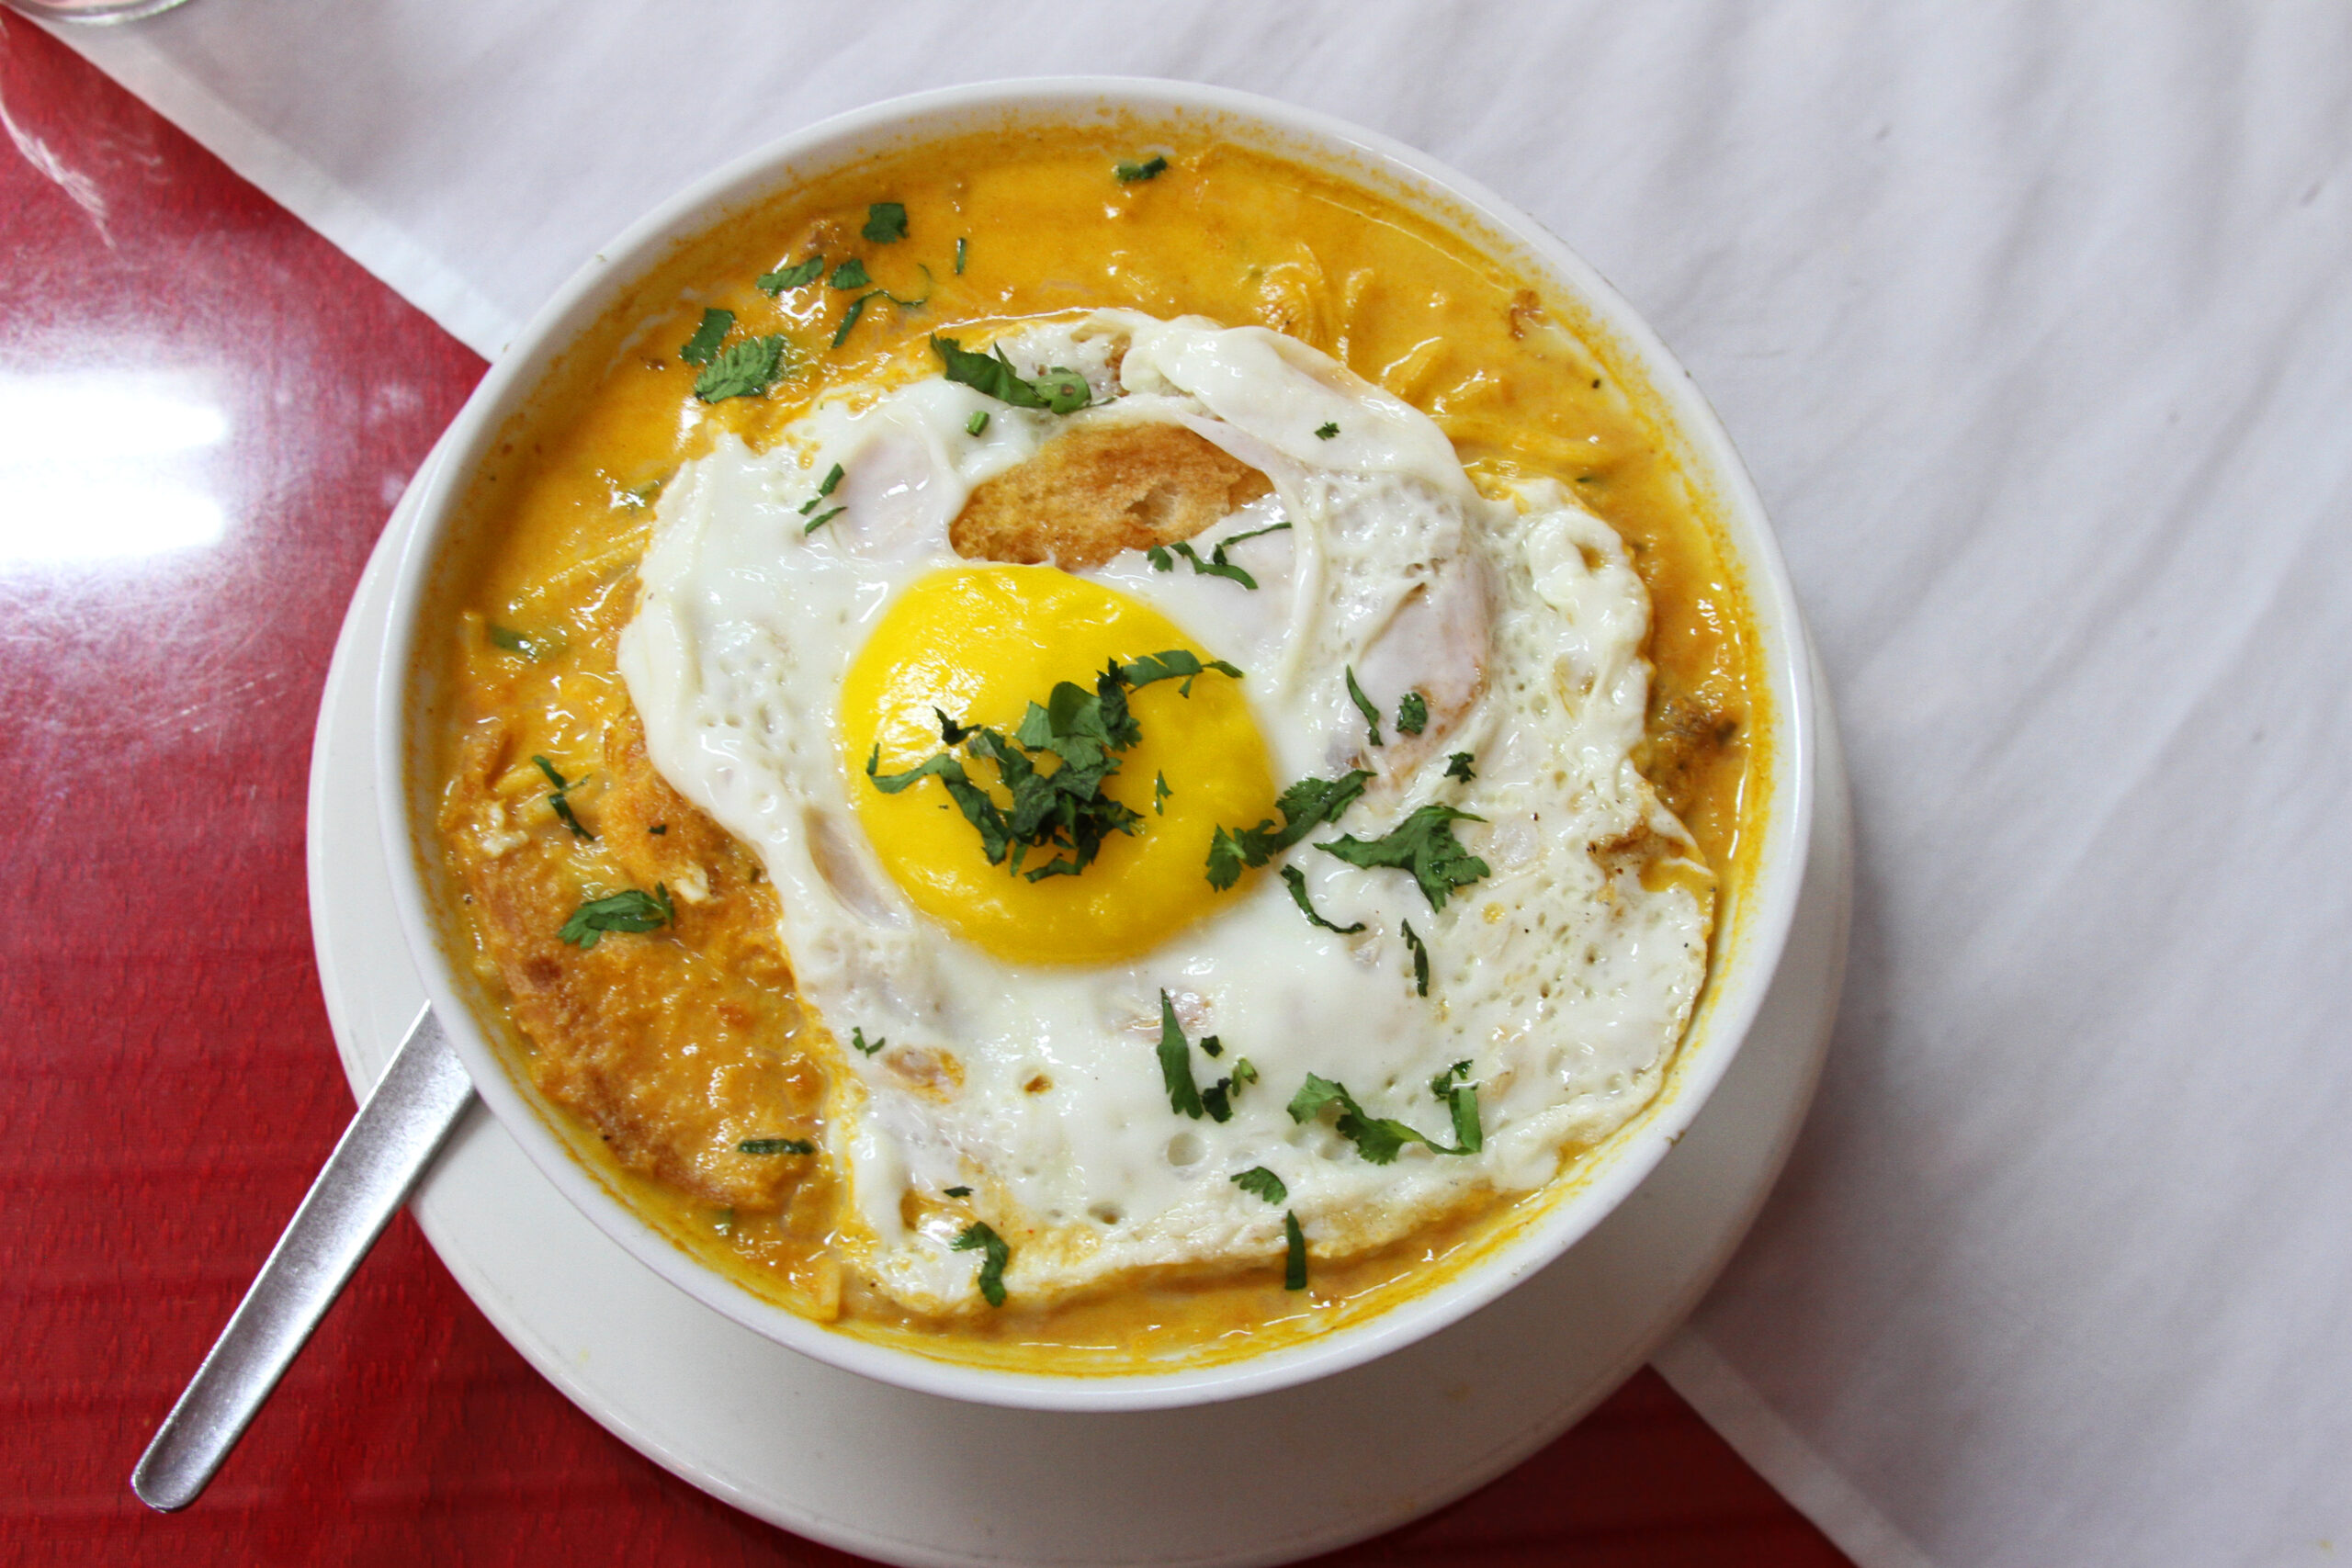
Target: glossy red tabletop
(205,414)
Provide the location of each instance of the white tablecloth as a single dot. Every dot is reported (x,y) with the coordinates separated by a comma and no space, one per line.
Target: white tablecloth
(2036,334)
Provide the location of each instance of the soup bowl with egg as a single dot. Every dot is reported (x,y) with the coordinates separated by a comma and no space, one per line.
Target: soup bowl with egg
(1092,744)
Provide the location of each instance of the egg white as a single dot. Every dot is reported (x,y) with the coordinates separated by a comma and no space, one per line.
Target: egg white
(1560,977)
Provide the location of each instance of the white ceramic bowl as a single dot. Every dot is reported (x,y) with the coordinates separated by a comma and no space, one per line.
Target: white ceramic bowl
(1752,927)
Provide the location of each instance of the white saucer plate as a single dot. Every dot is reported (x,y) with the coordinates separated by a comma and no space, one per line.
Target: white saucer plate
(914,1479)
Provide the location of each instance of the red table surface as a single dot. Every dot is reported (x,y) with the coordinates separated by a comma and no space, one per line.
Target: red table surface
(171,1084)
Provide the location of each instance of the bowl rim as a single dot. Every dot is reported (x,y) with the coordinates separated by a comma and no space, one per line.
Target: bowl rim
(1743,971)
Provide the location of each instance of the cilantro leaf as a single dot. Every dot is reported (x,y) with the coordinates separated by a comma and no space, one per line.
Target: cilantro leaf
(1150,169)
(1216,565)
(1458,767)
(743,369)
(886,223)
(1260,1182)
(1412,713)
(1063,807)
(1421,960)
(800,275)
(850,275)
(634,910)
(1175,663)
(1176,1063)
(857,1043)
(994,1256)
(1461,1096)
(531,647)
(703,347)
(776,1147)
(849,318)
(1063,391)
(959,1193)
(1363,706)
(832,478)
(1325,431)
(1423,844)
(1306,806)
(1159,793)
(1378,1138)
(562,807)
(1297,881)
(1294,1253)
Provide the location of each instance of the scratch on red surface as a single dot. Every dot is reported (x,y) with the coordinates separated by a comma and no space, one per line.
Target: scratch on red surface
(80,187)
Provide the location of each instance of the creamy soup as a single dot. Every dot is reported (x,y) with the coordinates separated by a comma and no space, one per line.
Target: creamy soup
(1414,704)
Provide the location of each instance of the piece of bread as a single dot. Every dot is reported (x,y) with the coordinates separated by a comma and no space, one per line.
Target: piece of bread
(1091,493)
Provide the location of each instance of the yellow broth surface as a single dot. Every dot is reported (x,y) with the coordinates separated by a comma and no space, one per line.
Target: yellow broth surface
(664,1052)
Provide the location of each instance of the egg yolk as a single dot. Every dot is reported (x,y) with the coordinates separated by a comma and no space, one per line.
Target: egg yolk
(980,644)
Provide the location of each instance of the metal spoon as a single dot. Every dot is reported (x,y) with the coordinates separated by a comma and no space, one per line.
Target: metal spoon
(99,13)
(385,1149)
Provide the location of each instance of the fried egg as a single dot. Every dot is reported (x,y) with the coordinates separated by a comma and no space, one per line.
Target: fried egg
(804,634)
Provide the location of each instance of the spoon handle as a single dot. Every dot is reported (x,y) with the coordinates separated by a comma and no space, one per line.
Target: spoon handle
(385,1149)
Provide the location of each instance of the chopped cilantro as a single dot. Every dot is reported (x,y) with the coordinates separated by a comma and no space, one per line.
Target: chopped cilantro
(850,275)
(1423,844)
(979,423)
(1378,1138)
(994,1256)
(1211,1048)
(1216,565)
(1066,808)
(1297,881)
(1174,664)
(635,498)
(531,648)
(1294,1253)
(703,347)
(960,251)
(1306,806)
(849,318)
(1063,391)
(1421,960)
(1150,169)
(1458,767)
(1176,1063)
(1363,706)
(1452,1085)
(959,1193)
(800,275)
(822,518)
(1218,1098)
(562,807)
(1260,1182)
(631,911)
(659,828)
(1159,793)
(777,1147)
(1325,431)
(825,487)
(886,223)
(743,369)
(1412,713)
(857,1043)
